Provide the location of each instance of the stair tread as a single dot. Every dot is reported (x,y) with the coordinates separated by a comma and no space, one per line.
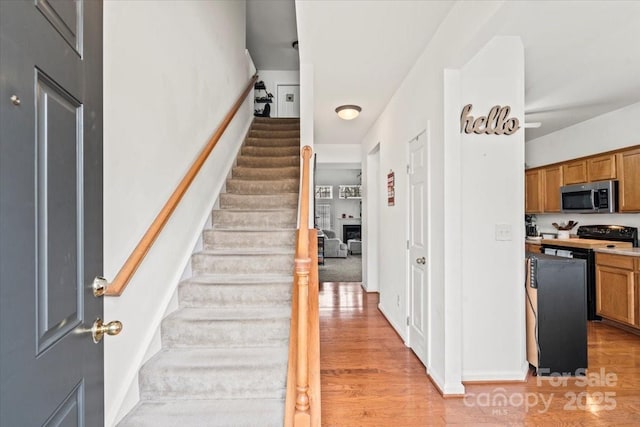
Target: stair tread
(231,313)
(190,361)
(248,252)
(236,279)
(206,412)
(252,230)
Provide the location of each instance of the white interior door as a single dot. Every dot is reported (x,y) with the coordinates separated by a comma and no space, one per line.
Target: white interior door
(417,335)
(288,100)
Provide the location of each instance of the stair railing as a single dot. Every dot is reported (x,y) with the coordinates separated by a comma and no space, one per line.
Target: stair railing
(119,283)
(302,406)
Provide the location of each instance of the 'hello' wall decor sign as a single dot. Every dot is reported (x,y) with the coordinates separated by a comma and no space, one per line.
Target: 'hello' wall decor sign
(497,122)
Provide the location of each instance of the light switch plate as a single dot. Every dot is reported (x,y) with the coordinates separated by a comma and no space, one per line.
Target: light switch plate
(503,232)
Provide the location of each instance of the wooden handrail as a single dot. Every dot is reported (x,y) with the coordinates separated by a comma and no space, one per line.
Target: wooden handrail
(302,406)
(117,286)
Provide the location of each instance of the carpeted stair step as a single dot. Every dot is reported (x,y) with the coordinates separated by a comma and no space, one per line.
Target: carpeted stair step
(270,151)
(209,413)
(276,120)
(272,142)
(230,262)
(258,238)
(249,186)
(259,201)
(266,173)
(227,327)
(268,162)
(236,290)
(215,373)
(274,133)
(276,126)
(224,351)
(252,219)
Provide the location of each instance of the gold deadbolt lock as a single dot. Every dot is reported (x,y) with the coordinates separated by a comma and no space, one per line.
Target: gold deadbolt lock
(99,286)
(99,329)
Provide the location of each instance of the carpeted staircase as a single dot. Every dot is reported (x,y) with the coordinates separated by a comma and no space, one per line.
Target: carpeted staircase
(224,351)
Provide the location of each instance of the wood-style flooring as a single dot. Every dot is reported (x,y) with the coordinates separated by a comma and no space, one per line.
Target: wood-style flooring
(369,378)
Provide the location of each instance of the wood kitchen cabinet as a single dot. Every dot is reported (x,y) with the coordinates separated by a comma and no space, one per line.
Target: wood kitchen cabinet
(601,168)
(575,172)
(552,181)
(531,247)
(617,288)
(533,191)
(629,180)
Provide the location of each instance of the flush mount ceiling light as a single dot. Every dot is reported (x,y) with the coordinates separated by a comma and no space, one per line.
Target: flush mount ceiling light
(348,112)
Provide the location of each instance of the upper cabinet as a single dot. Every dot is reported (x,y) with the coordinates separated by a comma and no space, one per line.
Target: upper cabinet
(552,178)
(575,172)
(629,180)
(602,168)
(542,184)
(533,191)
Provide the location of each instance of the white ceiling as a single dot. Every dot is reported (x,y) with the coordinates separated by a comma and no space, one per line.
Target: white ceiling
(271,29)
(582,58)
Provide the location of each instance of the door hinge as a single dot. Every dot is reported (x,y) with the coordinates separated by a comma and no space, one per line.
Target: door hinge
(407,244)
(407,320)
(408,168)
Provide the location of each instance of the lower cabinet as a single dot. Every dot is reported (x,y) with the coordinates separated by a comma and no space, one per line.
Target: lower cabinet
(617,288)
(531,247)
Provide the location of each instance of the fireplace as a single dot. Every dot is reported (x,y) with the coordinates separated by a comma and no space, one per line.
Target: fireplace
(350,231)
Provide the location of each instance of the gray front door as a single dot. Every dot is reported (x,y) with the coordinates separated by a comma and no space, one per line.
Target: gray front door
(51,372)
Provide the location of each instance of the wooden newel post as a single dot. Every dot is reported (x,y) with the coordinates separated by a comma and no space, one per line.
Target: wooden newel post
(302,415)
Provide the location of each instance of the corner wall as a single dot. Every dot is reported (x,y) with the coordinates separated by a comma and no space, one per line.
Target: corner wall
(492,194)
(172,71)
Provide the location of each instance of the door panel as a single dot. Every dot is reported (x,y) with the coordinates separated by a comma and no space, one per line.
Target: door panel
(418,259)
(66,17)
(51,372)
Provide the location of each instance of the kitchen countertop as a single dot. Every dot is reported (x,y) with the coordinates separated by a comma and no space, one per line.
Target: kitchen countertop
(620,251)
(585,243)
(533,241)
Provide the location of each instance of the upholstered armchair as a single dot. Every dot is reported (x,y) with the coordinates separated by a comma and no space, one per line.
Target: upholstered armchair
(333,246)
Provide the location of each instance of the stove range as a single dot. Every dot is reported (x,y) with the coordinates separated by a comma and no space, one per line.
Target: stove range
(608,235)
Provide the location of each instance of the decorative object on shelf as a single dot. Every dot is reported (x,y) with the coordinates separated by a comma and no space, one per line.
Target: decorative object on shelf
(391,188)
(348,112)
(564,229)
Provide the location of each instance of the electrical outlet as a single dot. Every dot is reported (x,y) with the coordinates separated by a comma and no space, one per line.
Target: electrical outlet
(503,232)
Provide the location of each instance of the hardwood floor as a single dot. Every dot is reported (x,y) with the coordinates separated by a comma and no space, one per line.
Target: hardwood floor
(369,378)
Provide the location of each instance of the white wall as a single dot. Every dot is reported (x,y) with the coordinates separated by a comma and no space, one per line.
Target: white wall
(418,101)
(272,78)
(492,170)
(339,153)
(372,189)
(172,70)
(617,129)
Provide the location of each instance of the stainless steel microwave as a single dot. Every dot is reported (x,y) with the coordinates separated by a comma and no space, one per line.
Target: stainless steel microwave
(594,197)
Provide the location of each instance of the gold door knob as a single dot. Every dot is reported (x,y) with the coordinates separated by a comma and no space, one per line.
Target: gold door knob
(99,329)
